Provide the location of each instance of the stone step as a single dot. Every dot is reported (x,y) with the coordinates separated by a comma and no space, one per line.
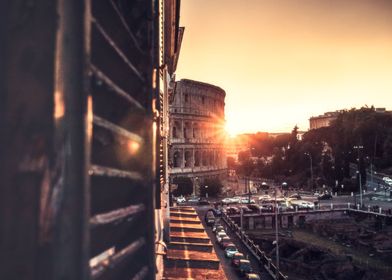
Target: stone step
(185,220)
(186,227)
(182,273)
(183,214)
(191,237)
(203,247)
(191,259)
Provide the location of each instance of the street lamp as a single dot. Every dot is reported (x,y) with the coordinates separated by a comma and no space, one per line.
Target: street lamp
(206,191)
(360,187)
(358,148)
(311,168)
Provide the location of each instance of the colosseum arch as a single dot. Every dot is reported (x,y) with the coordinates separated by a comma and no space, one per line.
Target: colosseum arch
(187,130)
(204,158)
(197,158)
(176,130)
(196,130)
(188,157)
(177,158)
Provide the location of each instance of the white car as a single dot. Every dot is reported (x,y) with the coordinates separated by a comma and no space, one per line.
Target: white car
(246,200)
(227,200)
(220,235)
(230,250)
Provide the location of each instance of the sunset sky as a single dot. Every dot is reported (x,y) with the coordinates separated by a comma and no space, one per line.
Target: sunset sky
(283,61)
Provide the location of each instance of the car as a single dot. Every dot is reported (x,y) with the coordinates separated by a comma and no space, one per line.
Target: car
(266,208)
(181,199)
(295,196)
(244,267)
(235,260)
(194,199)
(230,250)
(232,210)
(246,200)
(225,241)
(324,196)
(265,197)
(245,210)
(217,212)
(252,276)
(236,199)
(254,208)
(220,235)
(203,201)
(303,204)
(209,218)
(227,200)
(217,228)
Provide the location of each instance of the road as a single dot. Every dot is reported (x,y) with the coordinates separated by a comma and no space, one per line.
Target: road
(226,265)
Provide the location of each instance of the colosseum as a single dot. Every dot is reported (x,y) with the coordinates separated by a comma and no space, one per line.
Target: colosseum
(197,132)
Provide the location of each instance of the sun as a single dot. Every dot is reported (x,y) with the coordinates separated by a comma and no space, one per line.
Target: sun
(231,130)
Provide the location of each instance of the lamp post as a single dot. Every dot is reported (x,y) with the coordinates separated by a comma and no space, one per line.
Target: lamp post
(311,168)
(358,148)
(276,231)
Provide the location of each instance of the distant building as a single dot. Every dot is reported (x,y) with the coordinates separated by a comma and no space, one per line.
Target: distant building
(197,136)
(323,120)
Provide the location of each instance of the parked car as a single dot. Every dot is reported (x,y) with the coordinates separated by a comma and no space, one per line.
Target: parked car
(235,260)
(217,212)
(324,196)
(203,201)
(245,210)
(252,276)
(225,241)
(264,197)
(244,267)
(209,218)
(246,200)
(295,196)
(220,235)
(227,200)
(266,208)
(303,204)
(232,210)
(194,199)
(181,199)
(217,228)
(254,208)
(230,250)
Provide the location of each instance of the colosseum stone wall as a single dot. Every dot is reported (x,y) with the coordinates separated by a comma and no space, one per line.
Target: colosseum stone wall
(197,132)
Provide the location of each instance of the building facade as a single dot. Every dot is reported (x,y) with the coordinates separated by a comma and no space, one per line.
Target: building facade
(322,120)
(197,137)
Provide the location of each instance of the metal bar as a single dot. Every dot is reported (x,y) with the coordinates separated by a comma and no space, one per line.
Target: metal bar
(117,129)
(104,78)
(141,274)
(116,215)
(98,170)
(73,113)
(115,260)
(120,16)
(118,51)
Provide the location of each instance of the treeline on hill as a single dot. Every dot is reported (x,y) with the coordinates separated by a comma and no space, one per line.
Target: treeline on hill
(357,138)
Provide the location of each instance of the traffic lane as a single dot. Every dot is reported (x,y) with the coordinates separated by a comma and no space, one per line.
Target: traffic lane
(257,267)
(225,263)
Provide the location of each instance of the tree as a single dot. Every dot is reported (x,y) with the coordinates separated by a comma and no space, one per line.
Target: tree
(185,186)
(214,187)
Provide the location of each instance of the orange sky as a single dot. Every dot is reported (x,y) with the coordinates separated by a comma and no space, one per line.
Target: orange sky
(283,61)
